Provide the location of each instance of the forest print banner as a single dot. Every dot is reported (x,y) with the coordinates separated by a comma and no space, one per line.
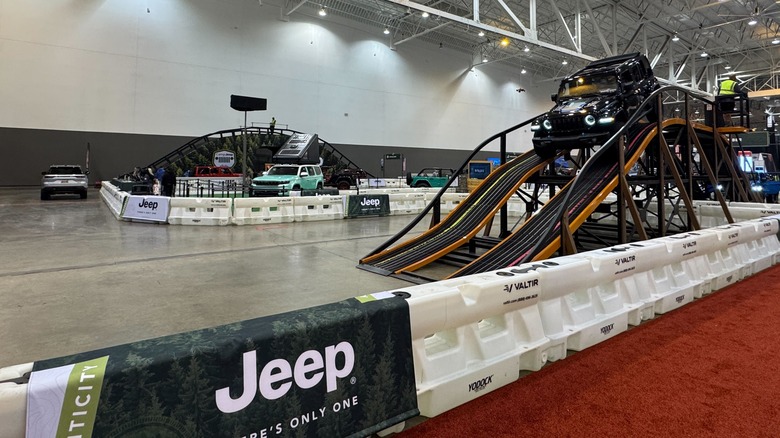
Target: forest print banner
(342,369)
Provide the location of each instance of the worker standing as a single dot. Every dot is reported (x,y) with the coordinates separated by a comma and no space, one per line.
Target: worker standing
(728,89)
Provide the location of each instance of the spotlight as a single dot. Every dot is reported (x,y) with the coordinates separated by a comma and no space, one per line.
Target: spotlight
(525,49)
(481,33)
(504,42)
(322,12)
(387,31)
(728,67)
(565,62)
(425,15)
(675,38)
(522,72)
(704,54)
(752,22)
(484,59)
(776,41)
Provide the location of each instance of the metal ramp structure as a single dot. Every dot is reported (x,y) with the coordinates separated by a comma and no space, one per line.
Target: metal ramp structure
(682,162)
(262,145)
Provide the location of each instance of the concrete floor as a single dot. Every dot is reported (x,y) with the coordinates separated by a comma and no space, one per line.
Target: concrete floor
(73,278)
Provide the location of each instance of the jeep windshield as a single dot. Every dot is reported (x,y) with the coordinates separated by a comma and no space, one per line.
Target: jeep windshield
(588,85)
(275,171)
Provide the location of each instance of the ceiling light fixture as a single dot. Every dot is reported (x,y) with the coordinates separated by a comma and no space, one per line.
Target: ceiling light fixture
(504,42)
(728,67)
(484,59)
(481,33)
(425,15)
(704,54)
(526,49)
(675,38)
(565,62)
(387,31)
(522,72)
(322,12)
(752,21)
(776,41)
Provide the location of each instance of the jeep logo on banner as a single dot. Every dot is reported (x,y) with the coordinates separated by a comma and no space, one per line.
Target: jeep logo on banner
(307,373)
(368,205)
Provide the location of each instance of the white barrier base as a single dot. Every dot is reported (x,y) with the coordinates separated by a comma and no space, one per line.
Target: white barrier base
(599,332)
(438,397)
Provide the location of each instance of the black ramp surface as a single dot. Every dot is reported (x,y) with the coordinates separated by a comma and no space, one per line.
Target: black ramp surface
(463,222)
(543,228)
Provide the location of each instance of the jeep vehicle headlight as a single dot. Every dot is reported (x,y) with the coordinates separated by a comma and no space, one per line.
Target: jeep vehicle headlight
(547,125)
(590,120)
(606,120)
(535,127)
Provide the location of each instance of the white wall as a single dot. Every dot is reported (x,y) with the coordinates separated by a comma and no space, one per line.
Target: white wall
(111,66)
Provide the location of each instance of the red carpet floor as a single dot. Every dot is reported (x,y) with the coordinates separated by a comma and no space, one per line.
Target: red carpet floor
(709,369)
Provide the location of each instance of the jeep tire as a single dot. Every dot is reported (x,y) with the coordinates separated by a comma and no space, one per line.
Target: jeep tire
(343,185)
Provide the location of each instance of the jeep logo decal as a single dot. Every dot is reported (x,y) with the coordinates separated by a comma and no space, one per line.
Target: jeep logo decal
(146,204)
(366,202)
(277,376)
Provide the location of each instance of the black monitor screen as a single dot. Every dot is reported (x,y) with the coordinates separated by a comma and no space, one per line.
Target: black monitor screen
(479,170)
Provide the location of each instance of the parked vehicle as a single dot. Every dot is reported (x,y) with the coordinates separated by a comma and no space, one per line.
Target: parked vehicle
(430,177)
(281,179)
(215,172)
(345,179)
(594,103)
(64,179)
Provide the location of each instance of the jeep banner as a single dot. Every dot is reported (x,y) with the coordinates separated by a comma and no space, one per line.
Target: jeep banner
(342,369)
(368,205)
(147,208)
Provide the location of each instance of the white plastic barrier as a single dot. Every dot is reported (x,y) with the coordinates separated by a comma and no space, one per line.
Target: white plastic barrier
(250,211)
(710,213)
(516,206)
(200,211)
(473,335)
(318,208)
(113,198)
(448,200)
(13,401)
(580,305)
(407,203)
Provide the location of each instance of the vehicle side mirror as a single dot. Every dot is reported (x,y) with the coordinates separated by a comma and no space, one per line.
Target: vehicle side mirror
(86,172)
(265,172)
(554,97)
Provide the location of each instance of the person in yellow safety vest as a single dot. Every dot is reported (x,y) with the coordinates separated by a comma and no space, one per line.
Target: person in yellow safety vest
(726,92)
(729,86)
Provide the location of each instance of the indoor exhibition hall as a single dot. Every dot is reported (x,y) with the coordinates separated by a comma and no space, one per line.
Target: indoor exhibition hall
(385,218)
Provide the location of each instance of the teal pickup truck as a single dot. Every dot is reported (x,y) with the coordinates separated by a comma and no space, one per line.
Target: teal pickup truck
(430,177)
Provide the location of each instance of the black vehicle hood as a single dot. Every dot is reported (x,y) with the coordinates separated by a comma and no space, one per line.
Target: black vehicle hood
(590,105)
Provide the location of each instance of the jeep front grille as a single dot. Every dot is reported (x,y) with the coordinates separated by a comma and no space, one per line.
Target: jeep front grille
(565,124)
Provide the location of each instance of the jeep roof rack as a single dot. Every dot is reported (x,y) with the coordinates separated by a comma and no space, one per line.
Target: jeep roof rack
(618,59)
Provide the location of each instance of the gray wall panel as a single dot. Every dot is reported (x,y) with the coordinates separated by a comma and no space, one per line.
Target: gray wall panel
(28,152)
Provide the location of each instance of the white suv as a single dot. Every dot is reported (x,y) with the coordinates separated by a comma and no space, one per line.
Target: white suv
(64,178)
